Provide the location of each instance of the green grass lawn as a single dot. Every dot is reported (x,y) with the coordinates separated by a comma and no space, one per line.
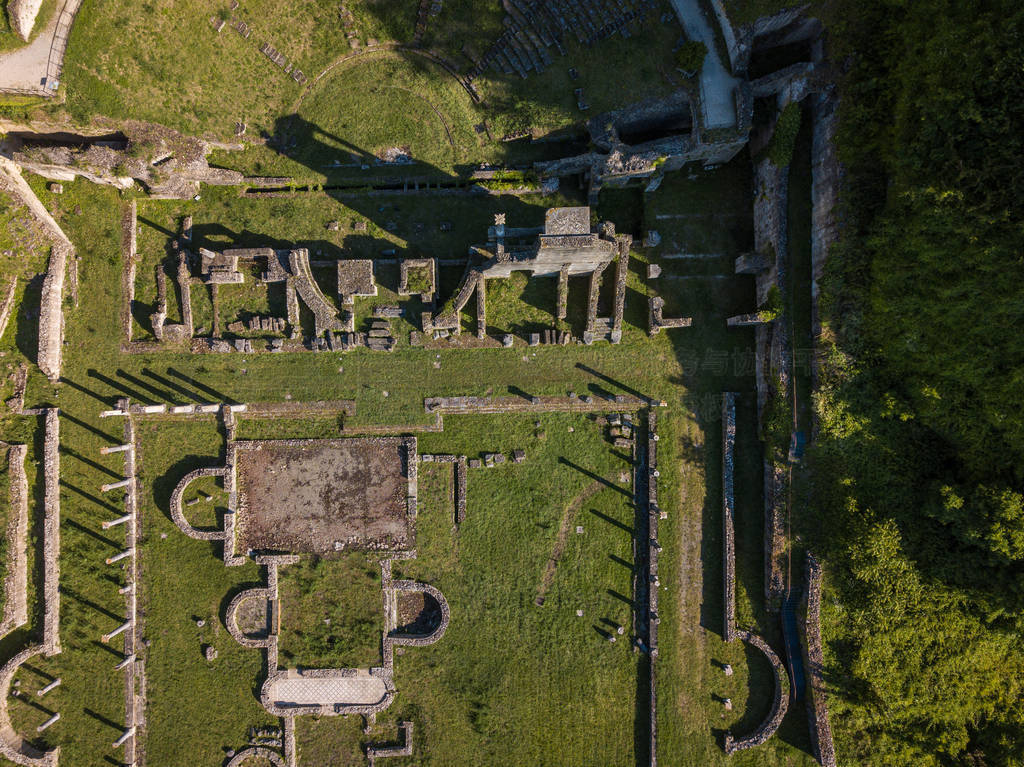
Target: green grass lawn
(387,101)
(163,61)
(332,613)
(512,682)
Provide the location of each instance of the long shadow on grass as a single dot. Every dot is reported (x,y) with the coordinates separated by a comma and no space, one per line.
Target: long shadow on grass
(593,476)
(172,385)
(120,388)
(197,384)
(112,439)
(75,385)
(163,486)
(92,605)
(27,319)
(160,393)
(612,381)
(92,498)
(91,463)
(92,534)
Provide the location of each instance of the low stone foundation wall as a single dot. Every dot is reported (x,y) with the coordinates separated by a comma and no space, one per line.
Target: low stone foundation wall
(51,533)
(728,511)
(657,321)
(51,314)
(16,581)
(780,702)
(382,752)
(817,705)
(256,752)
(12,746)
(129,245)
(653,582)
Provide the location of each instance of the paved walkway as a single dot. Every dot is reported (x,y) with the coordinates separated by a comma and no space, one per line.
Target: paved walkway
(27,68)
(716,84)
(359,690)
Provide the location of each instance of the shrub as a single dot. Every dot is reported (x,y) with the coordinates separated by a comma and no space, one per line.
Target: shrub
(773,306)
(780,148)
(690,57)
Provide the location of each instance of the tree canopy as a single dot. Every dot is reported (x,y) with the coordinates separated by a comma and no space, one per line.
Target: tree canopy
(919,468)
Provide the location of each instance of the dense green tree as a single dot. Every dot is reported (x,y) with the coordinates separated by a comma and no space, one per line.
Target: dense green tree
(918,472)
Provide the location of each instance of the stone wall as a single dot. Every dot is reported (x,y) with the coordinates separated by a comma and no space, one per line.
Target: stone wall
(51,314)
(817,705)
(773,360)
(739,41)
(656,320)
(7,305)
(51,533)
(51,317)
(653,582)
(381,752)
(16,581)
(624,242)
(12,746)
(826,176)
(780,702)
(129,246)
(728,511)
(134,672)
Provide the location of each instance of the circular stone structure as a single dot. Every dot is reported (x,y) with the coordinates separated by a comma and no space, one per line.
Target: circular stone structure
(246,755)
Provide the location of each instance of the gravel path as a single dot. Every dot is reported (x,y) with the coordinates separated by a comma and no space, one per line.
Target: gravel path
(717,85)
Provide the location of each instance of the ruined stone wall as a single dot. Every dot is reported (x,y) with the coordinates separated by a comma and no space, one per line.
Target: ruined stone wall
(16,581)
(653,582)
(817,705)
(780,702)
(826,176)
(773,360)
(382,752)
(129,247)
(7,305)
(728,511)
(12,746)
(739,41)
(51,533)
(51,314)
(623,242)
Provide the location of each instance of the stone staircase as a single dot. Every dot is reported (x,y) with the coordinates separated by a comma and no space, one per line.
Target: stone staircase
(534,26)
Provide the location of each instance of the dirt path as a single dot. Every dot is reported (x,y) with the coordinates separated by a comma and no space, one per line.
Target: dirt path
(563,535)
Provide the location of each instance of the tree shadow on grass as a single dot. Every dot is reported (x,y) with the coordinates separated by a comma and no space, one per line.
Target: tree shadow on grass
(163,486)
